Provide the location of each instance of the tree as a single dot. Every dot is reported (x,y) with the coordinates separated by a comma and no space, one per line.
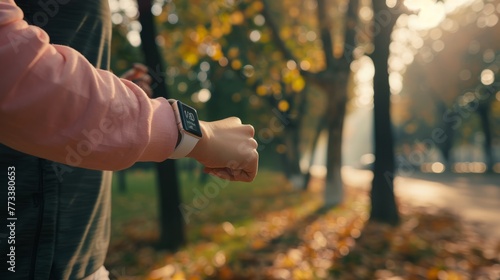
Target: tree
(171,221)
(333,79)
(383,204)
(207,31)
(452,78)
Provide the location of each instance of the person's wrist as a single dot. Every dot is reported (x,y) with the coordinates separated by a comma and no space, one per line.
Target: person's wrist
(201,146)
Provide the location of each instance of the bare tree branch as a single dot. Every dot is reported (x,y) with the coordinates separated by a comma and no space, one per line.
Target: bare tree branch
(276,33)
(280,43)
(351,21)
(325,35)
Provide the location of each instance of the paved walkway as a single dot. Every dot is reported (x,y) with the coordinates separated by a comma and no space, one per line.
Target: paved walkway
(474,196)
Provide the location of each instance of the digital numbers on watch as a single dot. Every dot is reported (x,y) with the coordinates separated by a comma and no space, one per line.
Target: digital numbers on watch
(189,119)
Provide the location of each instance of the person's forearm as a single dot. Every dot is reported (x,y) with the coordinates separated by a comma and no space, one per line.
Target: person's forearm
(54,104)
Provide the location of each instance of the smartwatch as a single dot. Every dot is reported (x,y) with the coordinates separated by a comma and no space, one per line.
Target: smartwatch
(189,128)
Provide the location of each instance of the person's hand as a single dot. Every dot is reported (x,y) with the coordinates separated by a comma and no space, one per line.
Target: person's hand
(139,75)
(228,150)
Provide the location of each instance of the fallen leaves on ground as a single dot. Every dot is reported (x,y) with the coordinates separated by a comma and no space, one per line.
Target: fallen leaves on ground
(428,244)
(313,243)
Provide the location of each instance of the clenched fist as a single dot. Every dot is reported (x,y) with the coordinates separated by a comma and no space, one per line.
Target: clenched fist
(228,150)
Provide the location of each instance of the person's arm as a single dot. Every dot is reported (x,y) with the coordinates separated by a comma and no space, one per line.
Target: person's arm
(54,104)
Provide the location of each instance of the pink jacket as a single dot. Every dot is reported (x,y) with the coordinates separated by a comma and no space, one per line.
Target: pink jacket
(55,105)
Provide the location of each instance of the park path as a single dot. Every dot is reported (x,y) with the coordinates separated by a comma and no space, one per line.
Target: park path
(476,197)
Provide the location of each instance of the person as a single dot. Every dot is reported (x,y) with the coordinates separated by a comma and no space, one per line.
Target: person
(66,123)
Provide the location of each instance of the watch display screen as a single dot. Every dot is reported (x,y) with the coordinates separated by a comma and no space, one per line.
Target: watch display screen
(189,119)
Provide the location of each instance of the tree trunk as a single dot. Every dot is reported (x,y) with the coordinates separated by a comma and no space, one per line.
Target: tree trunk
(337,98)
(483,112)
(446,146)
(122,182)
(291,140)
(383,204)
(301,103)
(333,80)
(320,128)
(171,223)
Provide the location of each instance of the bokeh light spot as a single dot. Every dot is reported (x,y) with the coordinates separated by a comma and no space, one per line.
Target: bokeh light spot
(134,38)
(487,77)
(173,18)
(283,106)
(248,71)
(255,36)
(259,20)
(182,87)
(305,65)
(117,18)
(156,9)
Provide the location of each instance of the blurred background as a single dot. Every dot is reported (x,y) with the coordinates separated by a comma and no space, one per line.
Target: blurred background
(378,130)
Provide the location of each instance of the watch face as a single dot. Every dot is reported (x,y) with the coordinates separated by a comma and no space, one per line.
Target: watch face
(189,119)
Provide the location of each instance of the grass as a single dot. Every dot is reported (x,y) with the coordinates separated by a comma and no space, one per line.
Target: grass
(230,222)
(265,230)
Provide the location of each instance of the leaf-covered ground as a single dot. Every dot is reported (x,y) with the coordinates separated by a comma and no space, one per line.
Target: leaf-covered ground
(267,231)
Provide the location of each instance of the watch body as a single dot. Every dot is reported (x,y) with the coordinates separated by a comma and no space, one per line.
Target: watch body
(188,124)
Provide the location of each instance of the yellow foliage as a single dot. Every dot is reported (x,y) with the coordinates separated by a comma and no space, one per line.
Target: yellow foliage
(283,106)
(226,25)
(298,84)
(294,12)
(265,37)
(495,107)
(226,28)
(276,55)
(276,88)
(261,90)
(233,52)
(288,262)
(300,274)
(236,64)
(452,275)
(258,244)
(237,18)
(191,58)
(189,51)
(286,33)
(221,25)
(163,17)
(201,33)
(179,276)
(218,53)
(257,6)
(433,273)
(288,76)
(226,273)
(216,32)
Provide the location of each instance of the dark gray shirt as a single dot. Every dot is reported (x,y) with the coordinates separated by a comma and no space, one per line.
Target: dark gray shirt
(63,213)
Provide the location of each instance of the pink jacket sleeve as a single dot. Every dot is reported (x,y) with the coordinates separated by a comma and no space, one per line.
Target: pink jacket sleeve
(55,105)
